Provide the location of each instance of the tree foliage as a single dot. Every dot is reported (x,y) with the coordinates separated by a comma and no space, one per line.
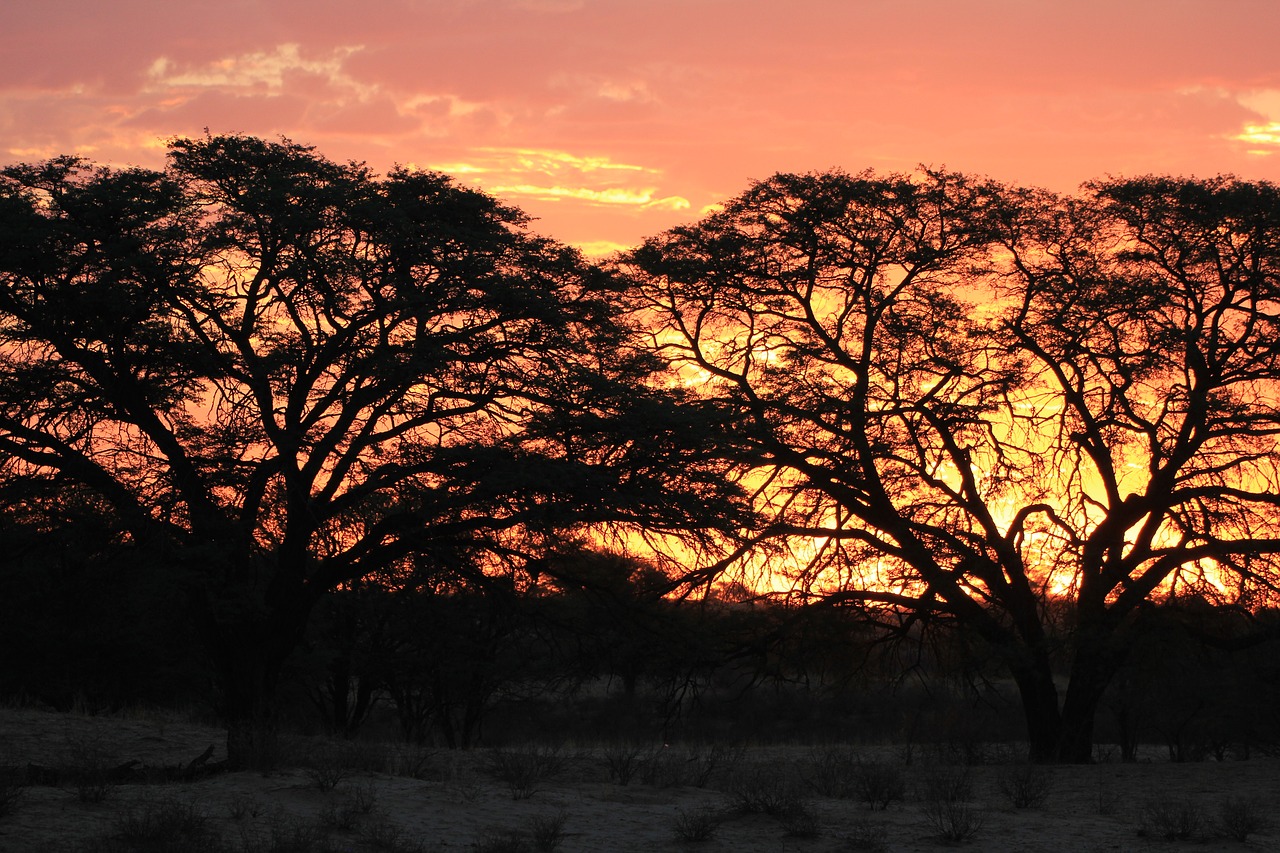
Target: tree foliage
(293,373)
(961,401)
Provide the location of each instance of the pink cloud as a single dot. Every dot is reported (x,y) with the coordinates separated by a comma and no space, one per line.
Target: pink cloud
(703,94)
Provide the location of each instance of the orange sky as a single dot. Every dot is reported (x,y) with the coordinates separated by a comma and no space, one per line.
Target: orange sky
(610,120)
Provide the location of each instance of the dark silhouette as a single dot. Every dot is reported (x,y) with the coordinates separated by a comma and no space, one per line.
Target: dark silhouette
(283,374)
(973,400)
(260,402)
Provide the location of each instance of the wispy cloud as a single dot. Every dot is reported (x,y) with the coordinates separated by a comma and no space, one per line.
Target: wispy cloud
(645,197)
(562,176)
(550,161)
(259,71)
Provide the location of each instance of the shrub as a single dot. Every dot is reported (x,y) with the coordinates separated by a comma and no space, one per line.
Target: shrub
(89,765)
(802,822)
(765,791)
(328,766)
(945,802)
(624,761)
(509,841)
(830,773)
(523,770)
(244,805)
(1025,786)
(547,831)
(166,825)
(702,763)
(954,820)
(1171,819)
(697,825)
(348,813)
(878,784)
(947,784)
(1240,817)
(1108,799)
(290,836)
(385,836)
(11,793)
(865,837)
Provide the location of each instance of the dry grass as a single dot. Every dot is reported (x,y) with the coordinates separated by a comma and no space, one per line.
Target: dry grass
(764,798)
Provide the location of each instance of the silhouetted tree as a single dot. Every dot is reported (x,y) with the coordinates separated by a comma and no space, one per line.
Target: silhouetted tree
(294,373)
(966,400)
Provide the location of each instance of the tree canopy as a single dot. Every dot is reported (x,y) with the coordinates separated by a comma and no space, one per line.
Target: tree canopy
(291,373)
(949,401)
(964,402)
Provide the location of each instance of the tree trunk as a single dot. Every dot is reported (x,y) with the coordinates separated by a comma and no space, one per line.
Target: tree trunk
(249,709)
(250,653)
(1098,656)
(1040,710)
(1065,735)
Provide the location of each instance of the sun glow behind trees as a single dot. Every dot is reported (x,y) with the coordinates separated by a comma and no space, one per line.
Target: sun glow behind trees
(1103,428)
(1022,461)
(947,400)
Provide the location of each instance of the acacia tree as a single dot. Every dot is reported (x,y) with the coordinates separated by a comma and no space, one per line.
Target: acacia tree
(963,403)
(1148,314)
(291,373)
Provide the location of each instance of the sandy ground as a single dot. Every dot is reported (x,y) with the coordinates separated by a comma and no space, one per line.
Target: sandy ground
(391,797)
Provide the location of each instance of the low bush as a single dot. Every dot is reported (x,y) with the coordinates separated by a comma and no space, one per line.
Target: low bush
(865,836)
(166,825)
(1240,817)
(697,825)
(11,792)
(522,771)
(765,791)
(505,841)
(547,831)
(945,796)
(829,773)
(953,820)
(624,761)
(802,822)
(1179,819)
(878,784)
(1025,786)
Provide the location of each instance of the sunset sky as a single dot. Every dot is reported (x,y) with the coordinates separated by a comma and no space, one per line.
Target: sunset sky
(610,120)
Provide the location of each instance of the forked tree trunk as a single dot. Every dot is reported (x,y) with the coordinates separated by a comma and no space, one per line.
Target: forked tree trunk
(1064,734)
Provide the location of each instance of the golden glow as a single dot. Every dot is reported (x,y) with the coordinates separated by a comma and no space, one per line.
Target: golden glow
(548,160)
(1261,134)
(551,175)
(601,248)
(613,196)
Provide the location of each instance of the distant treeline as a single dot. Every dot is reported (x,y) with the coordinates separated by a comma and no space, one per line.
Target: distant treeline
(459,664)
